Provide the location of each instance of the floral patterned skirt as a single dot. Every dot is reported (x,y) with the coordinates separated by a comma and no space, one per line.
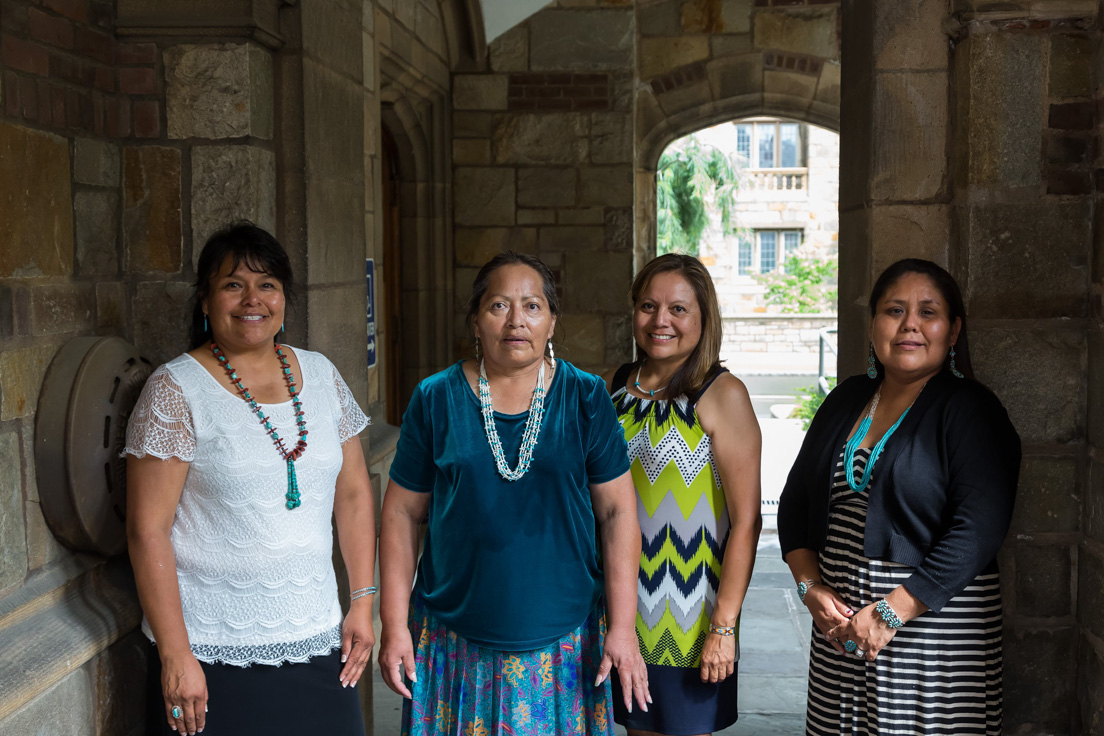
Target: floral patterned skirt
(467,690)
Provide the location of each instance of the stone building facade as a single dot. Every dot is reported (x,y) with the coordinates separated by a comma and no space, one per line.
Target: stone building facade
(390,130)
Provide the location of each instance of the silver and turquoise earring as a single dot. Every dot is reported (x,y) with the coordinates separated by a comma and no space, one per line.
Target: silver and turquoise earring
(871,369)
(954,369)
(281,327)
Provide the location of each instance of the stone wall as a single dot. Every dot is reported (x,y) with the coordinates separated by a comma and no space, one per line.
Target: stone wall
(91,201)
(799,333)
(1089,555)
(542,154)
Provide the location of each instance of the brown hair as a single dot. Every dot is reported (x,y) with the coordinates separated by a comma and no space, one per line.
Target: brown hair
(704,360)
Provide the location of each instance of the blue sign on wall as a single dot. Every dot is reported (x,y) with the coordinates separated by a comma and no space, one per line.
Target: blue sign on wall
(370,265)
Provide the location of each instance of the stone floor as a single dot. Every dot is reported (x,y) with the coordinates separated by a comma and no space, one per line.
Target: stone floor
(774,655)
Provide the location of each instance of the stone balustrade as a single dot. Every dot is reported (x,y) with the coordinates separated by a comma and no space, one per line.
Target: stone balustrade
(778,180)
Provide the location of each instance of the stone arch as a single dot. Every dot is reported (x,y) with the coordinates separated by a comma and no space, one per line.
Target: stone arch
(467,44)
(425,248)
(678,102)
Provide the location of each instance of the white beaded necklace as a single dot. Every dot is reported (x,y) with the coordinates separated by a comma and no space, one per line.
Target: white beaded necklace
(532,425)
(651,393)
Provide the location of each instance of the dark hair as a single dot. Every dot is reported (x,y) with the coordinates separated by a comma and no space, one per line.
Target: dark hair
(512,258)
(948,289)
(704,360)
(245,243)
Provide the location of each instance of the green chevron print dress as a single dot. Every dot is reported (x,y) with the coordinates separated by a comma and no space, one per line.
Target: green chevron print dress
(684,527)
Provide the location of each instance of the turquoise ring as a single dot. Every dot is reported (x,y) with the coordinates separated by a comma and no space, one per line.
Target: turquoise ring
(176,712)
(850,646)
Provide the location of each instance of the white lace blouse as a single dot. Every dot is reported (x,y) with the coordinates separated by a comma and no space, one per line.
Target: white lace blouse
(257,582)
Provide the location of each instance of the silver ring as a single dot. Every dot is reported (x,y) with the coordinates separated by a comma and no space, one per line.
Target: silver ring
(176,712)
(860,653)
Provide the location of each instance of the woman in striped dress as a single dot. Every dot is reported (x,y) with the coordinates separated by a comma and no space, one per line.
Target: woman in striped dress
(694,451)
(891,521)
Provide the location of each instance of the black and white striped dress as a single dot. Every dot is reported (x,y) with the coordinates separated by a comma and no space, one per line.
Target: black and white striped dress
(941,672)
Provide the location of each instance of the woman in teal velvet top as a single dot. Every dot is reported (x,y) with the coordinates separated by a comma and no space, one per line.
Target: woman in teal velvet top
(515,460)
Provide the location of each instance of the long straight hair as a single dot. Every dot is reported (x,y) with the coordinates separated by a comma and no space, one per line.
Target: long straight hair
(705,359)
(948,289)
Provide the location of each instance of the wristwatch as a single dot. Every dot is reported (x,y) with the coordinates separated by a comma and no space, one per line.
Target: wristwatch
(803,588)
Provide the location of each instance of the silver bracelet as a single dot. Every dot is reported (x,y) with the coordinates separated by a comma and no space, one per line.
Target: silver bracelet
(361,593)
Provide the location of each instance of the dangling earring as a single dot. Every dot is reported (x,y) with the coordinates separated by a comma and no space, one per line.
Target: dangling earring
(954,369)
(871,369)
(205,323)
(551,352)
(281,327)
(478,352)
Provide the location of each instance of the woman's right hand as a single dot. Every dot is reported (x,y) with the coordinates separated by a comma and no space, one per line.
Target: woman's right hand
(184,686)
(828,611)
(396,657)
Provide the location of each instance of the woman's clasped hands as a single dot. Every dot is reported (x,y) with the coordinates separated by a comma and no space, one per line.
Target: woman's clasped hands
(866,629)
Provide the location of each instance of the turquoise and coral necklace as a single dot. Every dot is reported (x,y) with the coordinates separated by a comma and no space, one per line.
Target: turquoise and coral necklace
(290,456)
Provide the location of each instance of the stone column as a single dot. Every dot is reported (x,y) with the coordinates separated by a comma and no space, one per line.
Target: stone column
(1028,303)
(894,175)
(1090,554)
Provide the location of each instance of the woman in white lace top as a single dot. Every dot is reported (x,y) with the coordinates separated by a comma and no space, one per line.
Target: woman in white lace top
(240,452)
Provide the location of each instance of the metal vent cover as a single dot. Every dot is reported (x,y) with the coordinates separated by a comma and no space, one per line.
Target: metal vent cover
(89,391)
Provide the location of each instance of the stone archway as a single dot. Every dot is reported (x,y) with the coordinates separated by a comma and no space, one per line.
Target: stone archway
(679,102)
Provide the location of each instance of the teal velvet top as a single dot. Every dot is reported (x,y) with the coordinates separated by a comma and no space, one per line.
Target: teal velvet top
(510,565)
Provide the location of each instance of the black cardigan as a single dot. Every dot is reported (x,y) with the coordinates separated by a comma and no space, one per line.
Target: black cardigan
(941,493)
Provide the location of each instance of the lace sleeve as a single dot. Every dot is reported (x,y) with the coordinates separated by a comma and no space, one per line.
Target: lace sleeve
(161,423)
(352,420)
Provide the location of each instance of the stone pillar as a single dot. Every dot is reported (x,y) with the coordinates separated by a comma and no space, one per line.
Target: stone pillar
(895,177)
(1090,554)
(1028,305)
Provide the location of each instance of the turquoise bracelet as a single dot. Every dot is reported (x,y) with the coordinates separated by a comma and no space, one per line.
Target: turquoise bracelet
(892,620)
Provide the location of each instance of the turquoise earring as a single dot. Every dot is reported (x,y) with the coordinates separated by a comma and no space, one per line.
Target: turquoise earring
(205,323)
(871,369)
(954,369)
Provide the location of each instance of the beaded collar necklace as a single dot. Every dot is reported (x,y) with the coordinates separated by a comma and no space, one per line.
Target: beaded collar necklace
(528,437)
(641,389)
(292,495)
(853,445)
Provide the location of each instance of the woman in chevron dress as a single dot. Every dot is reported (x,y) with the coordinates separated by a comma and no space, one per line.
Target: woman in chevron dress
(694,447)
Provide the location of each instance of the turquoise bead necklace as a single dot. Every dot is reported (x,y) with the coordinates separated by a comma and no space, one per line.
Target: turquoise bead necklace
(528,437)
(856,440)
(292,496)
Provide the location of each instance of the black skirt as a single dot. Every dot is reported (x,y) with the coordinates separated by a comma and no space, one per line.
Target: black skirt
(291,698)
(681,703)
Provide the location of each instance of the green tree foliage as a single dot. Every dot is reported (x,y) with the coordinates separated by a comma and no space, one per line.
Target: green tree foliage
(803,286)
(692,177)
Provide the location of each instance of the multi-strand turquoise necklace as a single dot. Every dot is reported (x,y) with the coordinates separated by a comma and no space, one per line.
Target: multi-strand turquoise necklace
(856,440)
(290,456)
(532,426)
